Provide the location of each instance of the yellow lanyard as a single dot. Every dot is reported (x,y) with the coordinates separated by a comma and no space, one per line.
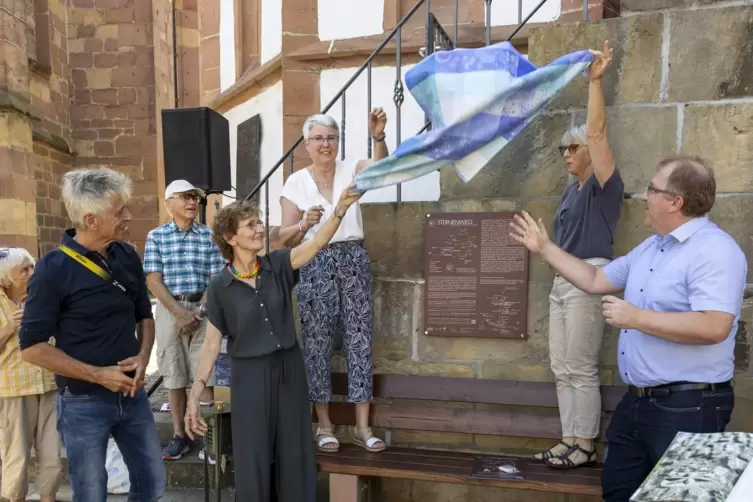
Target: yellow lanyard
(83,260)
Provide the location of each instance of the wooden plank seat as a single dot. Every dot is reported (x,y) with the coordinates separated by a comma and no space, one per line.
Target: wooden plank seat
(524,409)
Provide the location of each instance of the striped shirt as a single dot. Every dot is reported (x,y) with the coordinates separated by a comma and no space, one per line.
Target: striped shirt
(185,258)
(17,377)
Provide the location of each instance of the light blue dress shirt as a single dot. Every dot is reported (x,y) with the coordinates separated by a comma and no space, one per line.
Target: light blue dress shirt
(696,267)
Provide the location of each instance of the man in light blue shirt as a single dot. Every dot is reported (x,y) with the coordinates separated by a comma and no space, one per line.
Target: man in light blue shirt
(683,295)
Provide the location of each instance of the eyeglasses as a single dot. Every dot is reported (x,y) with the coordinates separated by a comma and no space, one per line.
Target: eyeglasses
(4,253)
(651,188)
(255,225)
(323,139)
(569,148)
(188,197)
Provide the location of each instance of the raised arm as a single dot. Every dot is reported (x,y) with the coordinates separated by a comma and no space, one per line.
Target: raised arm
(377,122)
(582,275)
(596,121)
(304,253)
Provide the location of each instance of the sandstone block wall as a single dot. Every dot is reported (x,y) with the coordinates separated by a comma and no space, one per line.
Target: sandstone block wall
(676,85)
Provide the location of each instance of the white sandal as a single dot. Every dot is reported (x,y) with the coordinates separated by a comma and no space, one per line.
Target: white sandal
(371,443)
(325,437)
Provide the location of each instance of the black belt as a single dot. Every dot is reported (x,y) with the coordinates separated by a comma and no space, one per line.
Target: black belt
(196,297)
(669,388)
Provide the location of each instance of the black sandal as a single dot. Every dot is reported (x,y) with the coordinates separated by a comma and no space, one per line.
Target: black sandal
(546,455)
(567,464)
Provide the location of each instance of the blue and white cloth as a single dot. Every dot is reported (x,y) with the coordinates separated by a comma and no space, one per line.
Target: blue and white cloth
(186,259)
(478,100)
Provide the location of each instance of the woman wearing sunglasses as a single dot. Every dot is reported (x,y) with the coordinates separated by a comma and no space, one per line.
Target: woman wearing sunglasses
(584,225)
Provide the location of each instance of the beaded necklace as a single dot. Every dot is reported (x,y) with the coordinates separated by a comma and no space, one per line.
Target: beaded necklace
(253,273)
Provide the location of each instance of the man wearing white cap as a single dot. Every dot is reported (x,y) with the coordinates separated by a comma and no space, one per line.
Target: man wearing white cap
(179,259)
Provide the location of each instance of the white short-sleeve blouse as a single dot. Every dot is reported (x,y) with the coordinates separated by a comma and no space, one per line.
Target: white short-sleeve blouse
(300,189)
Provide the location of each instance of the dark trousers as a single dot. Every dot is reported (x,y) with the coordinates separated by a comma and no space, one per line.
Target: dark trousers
(273,444)
(642,429)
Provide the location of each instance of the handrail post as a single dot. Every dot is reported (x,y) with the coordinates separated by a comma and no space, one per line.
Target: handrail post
(398,98)
(455,43)
(585,10)
(488,23)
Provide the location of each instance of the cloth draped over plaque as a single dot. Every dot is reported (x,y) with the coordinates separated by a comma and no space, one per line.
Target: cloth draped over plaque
(478,100)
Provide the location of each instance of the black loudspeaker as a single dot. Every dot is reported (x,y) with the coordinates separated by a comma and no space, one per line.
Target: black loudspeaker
(248,165)
(196,146)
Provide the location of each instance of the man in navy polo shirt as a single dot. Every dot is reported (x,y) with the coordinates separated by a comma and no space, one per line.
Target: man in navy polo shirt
(91,296)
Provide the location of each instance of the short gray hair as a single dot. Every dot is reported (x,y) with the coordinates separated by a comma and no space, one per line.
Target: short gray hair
(88,191)
(576,135)
(322,120)
(11,258)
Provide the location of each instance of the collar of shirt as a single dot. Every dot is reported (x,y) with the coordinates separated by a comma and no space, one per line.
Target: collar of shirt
(687,229)
(70,241)
(227,277)
(175,228)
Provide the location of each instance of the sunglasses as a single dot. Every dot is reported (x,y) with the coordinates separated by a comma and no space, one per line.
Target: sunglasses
(569,148)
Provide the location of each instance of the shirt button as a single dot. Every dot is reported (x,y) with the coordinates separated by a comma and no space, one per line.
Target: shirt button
(622,353)
(651,270)
(641,290)
(266,319)
(661,250)
(278,345)
(261,304)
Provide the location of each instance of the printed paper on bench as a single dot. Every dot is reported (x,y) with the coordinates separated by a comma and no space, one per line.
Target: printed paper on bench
(698,468)
(478,100)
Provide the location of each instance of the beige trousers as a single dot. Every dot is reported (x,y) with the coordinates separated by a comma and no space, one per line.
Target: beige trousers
(178,355)
(25,422)
(576,327)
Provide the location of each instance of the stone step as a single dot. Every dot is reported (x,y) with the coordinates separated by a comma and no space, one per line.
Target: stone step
(171,495)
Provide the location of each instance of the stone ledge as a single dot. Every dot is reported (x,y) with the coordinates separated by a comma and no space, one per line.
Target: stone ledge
(40,133)
(244,88)
(9,100)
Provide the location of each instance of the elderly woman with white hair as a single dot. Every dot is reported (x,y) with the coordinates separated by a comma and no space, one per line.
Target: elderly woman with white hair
(27,393)
(584,225)
(336,286)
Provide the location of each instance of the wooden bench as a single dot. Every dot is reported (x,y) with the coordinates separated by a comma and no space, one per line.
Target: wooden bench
(351,467)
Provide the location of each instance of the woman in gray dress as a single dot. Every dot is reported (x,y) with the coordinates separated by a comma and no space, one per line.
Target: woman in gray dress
(250,303)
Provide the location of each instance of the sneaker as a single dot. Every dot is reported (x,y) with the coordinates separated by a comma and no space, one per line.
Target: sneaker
(212,459)
(176,449)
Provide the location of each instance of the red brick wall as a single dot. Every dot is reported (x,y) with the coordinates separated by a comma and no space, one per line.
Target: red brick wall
(51,164)
(113,113)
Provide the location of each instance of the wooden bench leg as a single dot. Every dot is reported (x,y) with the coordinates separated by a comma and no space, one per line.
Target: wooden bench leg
(347,488)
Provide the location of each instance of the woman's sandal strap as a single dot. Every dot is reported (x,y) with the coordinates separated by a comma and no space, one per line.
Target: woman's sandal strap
(546,455)
(566,463)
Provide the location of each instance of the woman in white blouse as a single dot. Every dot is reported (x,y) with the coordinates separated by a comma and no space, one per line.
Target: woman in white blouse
(336,286)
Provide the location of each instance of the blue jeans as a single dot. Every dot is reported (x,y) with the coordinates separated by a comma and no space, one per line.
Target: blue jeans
(87,421)
(642,429)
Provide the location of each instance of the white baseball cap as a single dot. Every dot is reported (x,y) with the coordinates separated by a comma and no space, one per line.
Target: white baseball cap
(181,186)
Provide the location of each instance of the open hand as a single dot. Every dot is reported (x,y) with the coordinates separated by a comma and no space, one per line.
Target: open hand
(530,233)
(194,423)
(347,198)
(137,364)
(377,122)
(619,313)
(601,63)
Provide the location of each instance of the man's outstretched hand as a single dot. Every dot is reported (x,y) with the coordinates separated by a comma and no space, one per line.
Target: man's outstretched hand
(532,234)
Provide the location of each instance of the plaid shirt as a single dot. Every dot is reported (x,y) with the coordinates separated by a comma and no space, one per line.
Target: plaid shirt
(17,377)
(186,259)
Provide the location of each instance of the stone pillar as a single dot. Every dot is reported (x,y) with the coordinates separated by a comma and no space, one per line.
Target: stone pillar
(209,52)
(18,225)
(300,84)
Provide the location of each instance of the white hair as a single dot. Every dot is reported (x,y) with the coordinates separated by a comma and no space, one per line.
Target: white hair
(10,258)
(575,136)
(88,191)
(322,120)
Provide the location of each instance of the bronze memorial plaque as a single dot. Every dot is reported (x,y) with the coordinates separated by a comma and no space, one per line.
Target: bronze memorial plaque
(476,276)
